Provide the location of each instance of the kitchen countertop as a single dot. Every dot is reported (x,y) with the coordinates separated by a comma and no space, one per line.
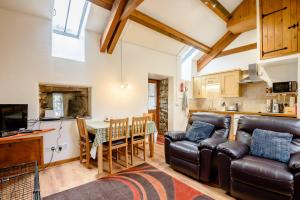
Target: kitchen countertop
(245,113)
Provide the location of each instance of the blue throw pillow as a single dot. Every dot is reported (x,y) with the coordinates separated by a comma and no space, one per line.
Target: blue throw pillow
(271,145)
(199,131)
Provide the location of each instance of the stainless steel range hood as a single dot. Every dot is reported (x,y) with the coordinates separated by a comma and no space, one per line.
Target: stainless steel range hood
(253,75)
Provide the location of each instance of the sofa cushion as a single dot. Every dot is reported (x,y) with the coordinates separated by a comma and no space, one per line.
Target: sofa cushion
(272,145)
(185,150)
(199,131)
(263,173)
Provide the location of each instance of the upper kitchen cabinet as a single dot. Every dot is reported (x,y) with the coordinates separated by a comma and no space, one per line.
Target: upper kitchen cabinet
(224,84)
(198,87)
(230,86)
(279,27)
(212,86)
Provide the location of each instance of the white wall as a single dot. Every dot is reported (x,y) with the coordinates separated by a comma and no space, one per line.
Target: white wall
(26,61)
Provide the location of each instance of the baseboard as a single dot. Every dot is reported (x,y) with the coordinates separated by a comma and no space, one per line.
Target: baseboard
(60,162)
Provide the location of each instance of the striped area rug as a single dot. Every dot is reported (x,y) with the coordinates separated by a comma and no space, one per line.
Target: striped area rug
(143,182)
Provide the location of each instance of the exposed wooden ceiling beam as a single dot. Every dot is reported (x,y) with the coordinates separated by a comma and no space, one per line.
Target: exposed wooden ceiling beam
(149,22)
(243,18)
(116,13)
(240,20)
(116,23)
(218,9)
(117,35)
(162,28)
(216,49)
(107,4)
(238,50)
(130,7)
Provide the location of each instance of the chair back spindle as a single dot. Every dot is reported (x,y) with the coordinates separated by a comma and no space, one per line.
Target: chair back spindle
(150,116)
(139,126)
(118,129)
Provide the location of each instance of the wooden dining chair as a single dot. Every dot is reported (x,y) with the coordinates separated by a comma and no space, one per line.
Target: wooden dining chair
(84,142)
(138,135)
(150,116)
(117,139)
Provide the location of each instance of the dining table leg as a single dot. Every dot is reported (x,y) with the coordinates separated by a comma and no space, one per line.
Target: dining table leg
(151,145)
(100,159)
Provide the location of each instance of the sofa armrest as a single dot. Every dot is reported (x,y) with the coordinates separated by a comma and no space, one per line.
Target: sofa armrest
(235,149)
(211,143)
(294,163)
(175,135)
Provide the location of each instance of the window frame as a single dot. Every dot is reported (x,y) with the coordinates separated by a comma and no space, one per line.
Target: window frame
(65,33)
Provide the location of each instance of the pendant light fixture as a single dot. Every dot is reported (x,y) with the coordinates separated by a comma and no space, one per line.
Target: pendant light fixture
(123,85)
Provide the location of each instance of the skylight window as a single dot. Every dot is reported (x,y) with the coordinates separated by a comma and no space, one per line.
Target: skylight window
(187,63)
(68,17)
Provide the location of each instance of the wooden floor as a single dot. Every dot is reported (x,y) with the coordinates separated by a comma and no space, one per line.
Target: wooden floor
(66,176)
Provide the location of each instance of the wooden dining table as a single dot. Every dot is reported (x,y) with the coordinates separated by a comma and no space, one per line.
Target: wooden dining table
(100,129)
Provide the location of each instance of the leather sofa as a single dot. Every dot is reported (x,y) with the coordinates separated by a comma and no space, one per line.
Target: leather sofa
(250,177)
(197,160)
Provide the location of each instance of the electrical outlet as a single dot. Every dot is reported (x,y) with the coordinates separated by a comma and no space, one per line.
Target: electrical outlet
(60,148)
(52,149)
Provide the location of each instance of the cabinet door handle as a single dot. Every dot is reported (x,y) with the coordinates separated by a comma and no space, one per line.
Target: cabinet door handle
(266,52)
(294,26)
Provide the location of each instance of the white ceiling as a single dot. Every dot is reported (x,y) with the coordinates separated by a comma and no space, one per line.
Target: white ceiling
(190,17)
(97,19)
(143,36)
(230,5)
(41,8)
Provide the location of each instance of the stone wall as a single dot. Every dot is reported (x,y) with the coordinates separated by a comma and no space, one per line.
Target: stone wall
(163,106)
(76,100)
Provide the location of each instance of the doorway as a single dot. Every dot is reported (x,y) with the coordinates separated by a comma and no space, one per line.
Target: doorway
(158,103)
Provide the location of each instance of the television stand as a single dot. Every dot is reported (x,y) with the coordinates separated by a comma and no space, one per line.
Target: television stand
(7,134)
(25,131)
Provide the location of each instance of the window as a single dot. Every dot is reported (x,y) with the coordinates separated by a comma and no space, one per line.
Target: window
(68,17)
(186,64)
(152,96)
(58,104)
(68,23)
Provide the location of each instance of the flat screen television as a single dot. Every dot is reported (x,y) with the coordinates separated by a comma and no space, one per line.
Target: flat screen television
(13,117)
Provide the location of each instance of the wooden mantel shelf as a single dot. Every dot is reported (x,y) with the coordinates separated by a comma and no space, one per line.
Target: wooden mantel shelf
(26,134)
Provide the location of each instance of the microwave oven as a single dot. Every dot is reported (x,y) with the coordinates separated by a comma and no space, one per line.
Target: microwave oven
(289,86)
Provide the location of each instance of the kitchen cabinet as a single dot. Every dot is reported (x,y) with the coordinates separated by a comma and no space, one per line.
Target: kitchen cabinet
(224,84)
(279,27)
(198,87)
(212,86)
(230,86)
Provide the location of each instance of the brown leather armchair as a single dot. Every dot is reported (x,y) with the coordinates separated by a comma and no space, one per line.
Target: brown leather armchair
(250,177)
(197,160)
